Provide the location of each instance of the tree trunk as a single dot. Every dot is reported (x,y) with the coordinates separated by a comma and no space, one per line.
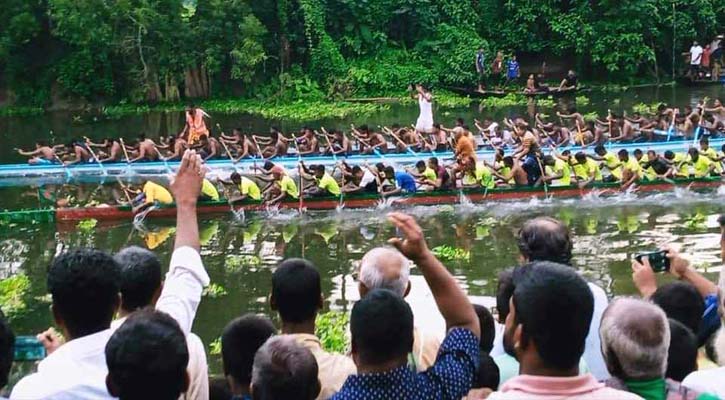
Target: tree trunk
(196,82)
(153,89)
(172,89)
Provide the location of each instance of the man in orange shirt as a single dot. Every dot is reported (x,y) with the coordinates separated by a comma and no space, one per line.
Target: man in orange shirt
(195,126)
(465,147)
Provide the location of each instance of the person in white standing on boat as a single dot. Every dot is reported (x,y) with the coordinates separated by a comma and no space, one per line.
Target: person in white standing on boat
(425,99)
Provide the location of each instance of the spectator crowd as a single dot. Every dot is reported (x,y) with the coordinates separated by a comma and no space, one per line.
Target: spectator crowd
(554,335)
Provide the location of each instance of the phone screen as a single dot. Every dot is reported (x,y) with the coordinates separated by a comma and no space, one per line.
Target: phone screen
(28,348)
(657,260)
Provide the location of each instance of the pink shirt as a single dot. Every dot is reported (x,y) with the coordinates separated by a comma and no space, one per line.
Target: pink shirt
(531,387)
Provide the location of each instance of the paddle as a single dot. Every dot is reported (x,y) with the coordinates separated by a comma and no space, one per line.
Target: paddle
(163,159)
(299,172)
(95,157)
(124,188)
(334,158)
(405,145)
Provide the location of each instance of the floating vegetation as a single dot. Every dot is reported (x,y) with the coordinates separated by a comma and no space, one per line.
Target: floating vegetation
(446,99)
(643,108)
(214,290)
(590,116)
(696,222)
(331,328)
(511,99)
(87,225)
(582,101)
(215,347)
(449,253)
(12,295)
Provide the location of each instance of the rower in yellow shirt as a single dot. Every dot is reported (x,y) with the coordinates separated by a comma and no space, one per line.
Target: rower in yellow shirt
(248,189)
(326,184)
(484,175)
(712,154)
(282,188)
(425,176)
(631,170)
(151,194)
(702,166)
(208,191)
(558,171)
(681,162)
(586,170)
(610,160)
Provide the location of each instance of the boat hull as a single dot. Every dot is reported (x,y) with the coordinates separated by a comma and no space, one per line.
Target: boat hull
(371,201)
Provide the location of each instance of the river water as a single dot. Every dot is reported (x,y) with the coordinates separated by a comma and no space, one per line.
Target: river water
(241,255)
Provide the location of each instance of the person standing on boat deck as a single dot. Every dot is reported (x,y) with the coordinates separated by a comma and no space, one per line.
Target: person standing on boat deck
(425,103)
(195,126)
(42,155)
(145,150)
(481,68)
(695,60)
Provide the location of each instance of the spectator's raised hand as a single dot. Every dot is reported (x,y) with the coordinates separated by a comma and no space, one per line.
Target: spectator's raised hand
(678,264)
(186,186)
(413,244)
(51,340)
(644,277)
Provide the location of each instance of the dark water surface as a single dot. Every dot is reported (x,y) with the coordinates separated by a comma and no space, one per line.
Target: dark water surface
(241,256)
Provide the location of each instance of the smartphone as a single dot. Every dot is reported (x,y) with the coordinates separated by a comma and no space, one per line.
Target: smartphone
(657,260)
(28,348)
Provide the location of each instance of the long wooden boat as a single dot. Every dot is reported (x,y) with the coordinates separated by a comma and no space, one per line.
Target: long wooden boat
(452,197)
(76,171)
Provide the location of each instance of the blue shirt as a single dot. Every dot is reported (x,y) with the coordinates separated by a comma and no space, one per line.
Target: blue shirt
(513,69)
(532,167)
(405,181)
(710,320)
(450,377)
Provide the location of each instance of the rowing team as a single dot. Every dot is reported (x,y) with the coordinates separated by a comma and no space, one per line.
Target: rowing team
(273,184)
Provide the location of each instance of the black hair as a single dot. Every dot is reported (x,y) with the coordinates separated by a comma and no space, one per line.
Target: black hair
(420,164)
(681,302)
(382,327)
(380,166)
(268,165)
(389,171)
(140,277)
(219,388)
(694,153)
(548,160)
(240,341)
(508,160)
(554,306)
(599,149)
(682,353)
(638,152)
(141,137)
(356,170)
(41,142)
(284,369)
(669,154)
(147,357)
(460,121)
(545,239)
(488,374)
(7,349)
(504,291)
(296,290)
(488,328)
(84,285)
(363,128)
(433,160)
(580,157)
(437,125)
(235,177)
(623,153)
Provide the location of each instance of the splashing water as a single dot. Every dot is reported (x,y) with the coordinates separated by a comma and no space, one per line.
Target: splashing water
(139,218)
(239,215)
(385,203)
(464,201)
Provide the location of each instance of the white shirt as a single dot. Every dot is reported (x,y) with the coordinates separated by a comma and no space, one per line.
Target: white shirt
(593,347)
(367,178)
(695,55)
(707,381)
(425,119)
(77,369)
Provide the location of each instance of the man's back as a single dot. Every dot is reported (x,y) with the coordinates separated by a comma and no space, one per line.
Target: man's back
(333,368)
(584,387)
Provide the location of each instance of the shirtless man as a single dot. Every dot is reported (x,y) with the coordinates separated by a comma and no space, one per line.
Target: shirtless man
(245,147)
(79,152)
(307,143)
(42,155)
(338,142)
(145,150)
(573,114)
(178,146)
(277,144)
(112,148)
(370,142)
(209,147)
(516,172)
(718,110)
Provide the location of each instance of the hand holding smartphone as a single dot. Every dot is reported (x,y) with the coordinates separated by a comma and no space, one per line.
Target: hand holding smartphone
(657,260)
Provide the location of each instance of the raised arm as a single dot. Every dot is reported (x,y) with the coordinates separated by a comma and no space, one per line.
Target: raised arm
(187,276)
(680,267)
(451,300)
(32,153)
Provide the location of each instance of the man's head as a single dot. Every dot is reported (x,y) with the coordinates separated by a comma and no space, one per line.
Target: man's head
(433,162)
(545,239)
(551,310)
(508,161)
(682,302)
(704,143)
(240,341)
(600,150)
(235,178)
(652,155)
(357,172)
(623,155)
(488,328)
(84,285)
(384,268)
(635,337)
(420,166)
(381,325)
(284,369)
(580,157)
(669,155)
(7,349)
(694,154)
(504,291)
(682,353)
(319,170)
(389,172)
(638,153)
(296,291)
(549,160)
(147,358)
(140,277)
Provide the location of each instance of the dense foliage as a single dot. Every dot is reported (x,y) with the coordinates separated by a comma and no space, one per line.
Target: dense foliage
(165,50)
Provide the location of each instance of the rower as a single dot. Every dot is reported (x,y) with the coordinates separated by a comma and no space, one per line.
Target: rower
(558,171)
(340,143)
(209,192)
(282,188)
(370,142)
(711,153)
(425,176)
(195,127)
(42,155)
(152,194)
(267,172)
(145,150)
(610,160)
(631,170)
(111,149)
(241,142)
(573,114)
(476,175)
(80,153)
(397,183)
(701,165)
(307,143)
(277,144)
(325,185)
(248,189)
(209,147)
(658,167)
(512,171)
(443,179)
(586,170)
(362,180)
(178,145)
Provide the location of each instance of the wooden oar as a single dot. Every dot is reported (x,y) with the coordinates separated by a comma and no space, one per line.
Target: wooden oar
(334,158)
(125,152)
(299,172)
(95,157)
(407,147)
(125,191)
(166,163)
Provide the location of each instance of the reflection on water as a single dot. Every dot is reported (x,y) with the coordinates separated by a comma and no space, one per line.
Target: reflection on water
(240,254)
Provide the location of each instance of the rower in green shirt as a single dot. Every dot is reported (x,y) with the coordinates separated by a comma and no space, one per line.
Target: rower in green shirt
(558,171)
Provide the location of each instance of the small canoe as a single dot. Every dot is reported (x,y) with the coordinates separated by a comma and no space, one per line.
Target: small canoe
(74,214)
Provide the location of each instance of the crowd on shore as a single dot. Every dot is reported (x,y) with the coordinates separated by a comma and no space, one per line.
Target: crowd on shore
(127,331)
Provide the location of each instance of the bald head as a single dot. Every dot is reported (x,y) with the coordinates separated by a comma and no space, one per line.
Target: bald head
(384,268)
(635,338)
(545,239)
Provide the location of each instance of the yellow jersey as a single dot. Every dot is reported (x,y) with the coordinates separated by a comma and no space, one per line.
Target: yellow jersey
(429,174)
(287,186)
(328,183)
(209,190)
(484,175)
(681,164)
(613,165)
(702,166)
(633,166)
(563,168)
(588,170)
(713,155)
(156,193)
(249,188)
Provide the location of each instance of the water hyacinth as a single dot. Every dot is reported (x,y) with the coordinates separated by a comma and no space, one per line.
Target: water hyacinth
(12,295)
(331,328)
